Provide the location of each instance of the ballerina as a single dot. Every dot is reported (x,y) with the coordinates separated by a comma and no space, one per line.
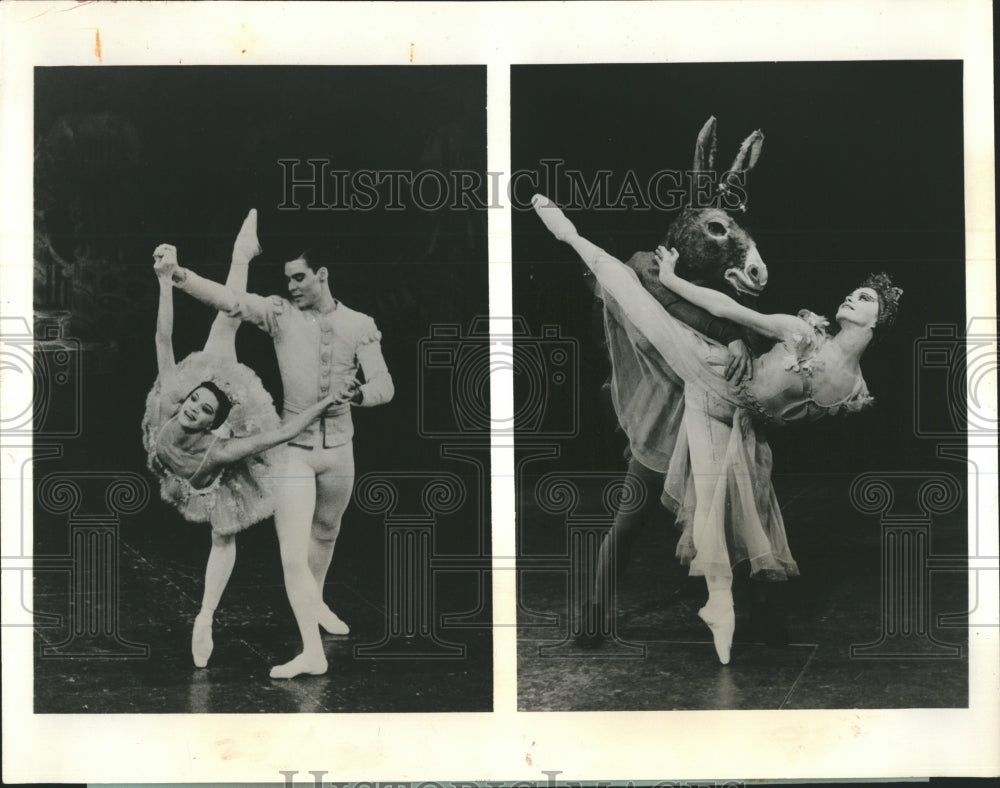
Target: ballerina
(210,431)
(719,477)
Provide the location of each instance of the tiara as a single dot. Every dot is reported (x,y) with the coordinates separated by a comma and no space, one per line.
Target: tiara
(888,296)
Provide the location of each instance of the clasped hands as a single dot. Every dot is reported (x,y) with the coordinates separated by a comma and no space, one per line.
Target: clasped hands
(165,261)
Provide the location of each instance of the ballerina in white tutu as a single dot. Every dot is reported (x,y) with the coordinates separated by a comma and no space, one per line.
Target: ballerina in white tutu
(719,475)
(210,432)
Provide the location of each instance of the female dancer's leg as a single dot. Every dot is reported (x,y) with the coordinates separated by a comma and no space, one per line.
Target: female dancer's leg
(222,336)
(708,438)
(221,560)
(222,342)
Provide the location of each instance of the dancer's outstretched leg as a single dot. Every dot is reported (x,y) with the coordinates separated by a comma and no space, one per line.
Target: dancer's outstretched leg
(564,230)
(333,493)
(222,336)
(217,573)
(294,506)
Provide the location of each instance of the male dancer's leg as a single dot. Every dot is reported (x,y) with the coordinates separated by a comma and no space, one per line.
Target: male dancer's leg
(333,492)
(295,502)
(616,551)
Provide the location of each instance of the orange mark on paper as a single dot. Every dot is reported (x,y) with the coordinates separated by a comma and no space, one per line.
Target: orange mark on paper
(411,51)
(527,759)
(97,43)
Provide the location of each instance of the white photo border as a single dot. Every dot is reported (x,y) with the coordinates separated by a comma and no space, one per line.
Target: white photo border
(504,744)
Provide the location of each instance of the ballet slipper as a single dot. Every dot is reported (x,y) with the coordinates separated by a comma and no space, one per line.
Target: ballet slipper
(201,640)
(553,218)
(303,664)
(331,622)
(721,619)
(247,246)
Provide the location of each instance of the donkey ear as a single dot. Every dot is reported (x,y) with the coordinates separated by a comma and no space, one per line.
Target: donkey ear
(749,153)
(704,149)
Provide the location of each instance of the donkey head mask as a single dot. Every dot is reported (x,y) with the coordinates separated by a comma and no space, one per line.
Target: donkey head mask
(714,249)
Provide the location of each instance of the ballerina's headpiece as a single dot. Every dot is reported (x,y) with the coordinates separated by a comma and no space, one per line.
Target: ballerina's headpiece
(888,298)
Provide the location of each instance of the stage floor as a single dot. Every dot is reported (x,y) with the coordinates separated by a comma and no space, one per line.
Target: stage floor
(665,659)
(160,588)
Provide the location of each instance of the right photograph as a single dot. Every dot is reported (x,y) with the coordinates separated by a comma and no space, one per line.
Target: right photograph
(741,418)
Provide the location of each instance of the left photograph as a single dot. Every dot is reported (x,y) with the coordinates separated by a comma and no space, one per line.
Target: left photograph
(261,414)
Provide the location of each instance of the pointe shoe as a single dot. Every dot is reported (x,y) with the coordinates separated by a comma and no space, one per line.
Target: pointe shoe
(247,246)
(331,622)
(301,665)
(201,641)
(553,217)
(722,621)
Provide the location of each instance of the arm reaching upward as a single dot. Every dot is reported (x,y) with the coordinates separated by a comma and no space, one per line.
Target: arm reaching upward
(719,304)
(250,308)
(164,319)
(646,268)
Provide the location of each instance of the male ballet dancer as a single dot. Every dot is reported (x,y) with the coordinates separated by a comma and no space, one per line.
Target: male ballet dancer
(320,344)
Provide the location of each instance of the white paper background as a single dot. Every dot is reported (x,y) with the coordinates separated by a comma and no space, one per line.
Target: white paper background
(648,745)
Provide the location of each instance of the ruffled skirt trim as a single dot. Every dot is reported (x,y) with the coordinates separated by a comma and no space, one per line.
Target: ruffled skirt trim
(243,493)
(742,521)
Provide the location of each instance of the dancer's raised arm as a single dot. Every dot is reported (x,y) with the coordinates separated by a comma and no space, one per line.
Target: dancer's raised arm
(164,318)
(777,326)
(248,307)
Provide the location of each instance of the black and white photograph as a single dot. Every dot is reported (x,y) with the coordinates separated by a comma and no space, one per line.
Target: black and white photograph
(467,395)
(750,510)
(236,273)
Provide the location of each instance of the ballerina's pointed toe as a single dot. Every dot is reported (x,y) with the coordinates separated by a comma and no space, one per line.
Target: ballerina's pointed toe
(722,622)
(553,218)
(201,641)
(247,246)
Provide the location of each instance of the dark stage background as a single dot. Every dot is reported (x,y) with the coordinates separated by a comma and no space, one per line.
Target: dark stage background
(861,171)
(127,158)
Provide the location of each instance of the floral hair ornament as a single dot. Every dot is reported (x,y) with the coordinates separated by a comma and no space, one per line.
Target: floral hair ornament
(888,298)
